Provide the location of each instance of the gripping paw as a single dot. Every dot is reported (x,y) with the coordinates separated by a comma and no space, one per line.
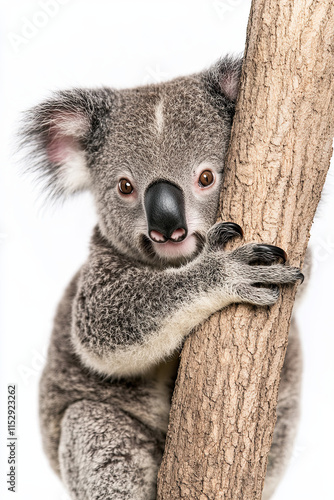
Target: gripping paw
(257,284)
(222,232)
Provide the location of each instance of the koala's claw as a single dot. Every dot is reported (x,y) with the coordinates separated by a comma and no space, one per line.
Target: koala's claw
(269,253)
(232,228)
(259,253)
(222,232)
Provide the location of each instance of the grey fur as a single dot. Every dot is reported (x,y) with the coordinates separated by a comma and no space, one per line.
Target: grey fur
(112,361)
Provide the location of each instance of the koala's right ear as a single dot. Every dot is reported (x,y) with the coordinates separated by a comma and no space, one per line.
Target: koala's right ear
(59,132)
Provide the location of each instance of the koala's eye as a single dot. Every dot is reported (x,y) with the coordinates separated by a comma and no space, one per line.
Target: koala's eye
(206,178)
(125,186)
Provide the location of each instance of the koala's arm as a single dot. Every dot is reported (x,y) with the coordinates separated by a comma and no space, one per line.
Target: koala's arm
(127,316)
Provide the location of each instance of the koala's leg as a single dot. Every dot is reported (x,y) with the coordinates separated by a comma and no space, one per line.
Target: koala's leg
(105,454)
(287,414)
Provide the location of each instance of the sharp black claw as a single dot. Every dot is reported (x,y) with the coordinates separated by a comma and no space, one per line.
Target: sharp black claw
(276,251)
(233,228)
(222,232)
(301,277)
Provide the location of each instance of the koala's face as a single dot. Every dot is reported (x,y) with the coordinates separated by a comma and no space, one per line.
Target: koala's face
(153,158)
(156,179)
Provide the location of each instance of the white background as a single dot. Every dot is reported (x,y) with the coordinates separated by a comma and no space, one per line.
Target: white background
(122,44)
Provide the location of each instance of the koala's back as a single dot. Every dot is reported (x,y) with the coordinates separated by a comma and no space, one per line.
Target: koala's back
(65,381)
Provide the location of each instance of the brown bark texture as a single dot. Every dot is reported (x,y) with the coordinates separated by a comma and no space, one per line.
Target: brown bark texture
(224,405)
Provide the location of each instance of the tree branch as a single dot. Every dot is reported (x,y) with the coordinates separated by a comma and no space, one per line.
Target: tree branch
(224,404)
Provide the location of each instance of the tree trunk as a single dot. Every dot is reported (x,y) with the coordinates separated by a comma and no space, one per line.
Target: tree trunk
(224,404)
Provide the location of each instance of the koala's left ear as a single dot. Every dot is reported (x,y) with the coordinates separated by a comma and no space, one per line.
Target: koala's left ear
(60,132)
(222,81)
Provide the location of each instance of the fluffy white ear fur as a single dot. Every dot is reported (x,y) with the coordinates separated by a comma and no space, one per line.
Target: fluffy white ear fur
(229,83)
(64,151)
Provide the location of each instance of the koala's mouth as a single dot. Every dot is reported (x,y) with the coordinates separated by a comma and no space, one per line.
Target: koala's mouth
(173,251)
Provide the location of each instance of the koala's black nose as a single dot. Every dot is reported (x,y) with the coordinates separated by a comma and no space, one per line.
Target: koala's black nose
(165,212)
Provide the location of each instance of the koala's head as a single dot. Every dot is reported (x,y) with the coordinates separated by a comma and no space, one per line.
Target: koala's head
(152,156)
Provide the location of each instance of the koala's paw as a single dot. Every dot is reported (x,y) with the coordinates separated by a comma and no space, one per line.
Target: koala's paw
(256,283)
(221,233)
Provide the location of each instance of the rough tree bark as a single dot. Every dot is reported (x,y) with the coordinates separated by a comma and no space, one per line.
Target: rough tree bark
(224,405)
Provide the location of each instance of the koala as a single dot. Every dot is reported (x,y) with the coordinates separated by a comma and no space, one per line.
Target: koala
(153,159)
